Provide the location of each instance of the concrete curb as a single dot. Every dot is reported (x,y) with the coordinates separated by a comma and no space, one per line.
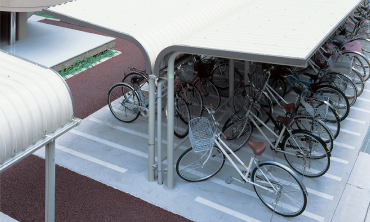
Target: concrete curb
(354,203)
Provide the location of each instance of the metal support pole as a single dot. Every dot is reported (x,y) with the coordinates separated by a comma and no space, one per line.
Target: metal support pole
(50,182)
(231,78)
(246,71)
(159,130)
(170,119)
(13,27)
(151,130)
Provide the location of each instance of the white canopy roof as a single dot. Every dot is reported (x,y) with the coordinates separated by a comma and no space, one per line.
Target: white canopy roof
(276,31)
(35,102)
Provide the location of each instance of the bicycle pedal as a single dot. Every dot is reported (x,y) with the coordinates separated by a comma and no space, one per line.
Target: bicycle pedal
(229,180)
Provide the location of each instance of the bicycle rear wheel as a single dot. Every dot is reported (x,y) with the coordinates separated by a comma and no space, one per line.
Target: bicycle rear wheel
(123,102)
(198,166)
(306,153)
(285,194)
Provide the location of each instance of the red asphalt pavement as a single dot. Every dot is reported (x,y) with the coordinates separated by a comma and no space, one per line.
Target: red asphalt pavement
(79,198)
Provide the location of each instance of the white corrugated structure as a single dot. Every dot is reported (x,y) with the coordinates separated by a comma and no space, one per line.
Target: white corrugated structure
(278,31)
(34,102)
(284,32)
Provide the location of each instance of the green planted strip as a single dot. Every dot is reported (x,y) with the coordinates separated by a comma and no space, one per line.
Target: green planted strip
(80,65)
(44,15)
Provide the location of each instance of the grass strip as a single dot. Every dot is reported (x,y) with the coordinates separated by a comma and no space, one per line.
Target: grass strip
(44,15)
(81,65)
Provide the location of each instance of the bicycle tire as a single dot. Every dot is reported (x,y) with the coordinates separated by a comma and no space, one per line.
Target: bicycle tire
(316,127)
(144,85)
(330,118)
(291,198)
(336,98)
(220,78)
(237,133)
(317,156)
(265,103)
(360,63)
(210,93)
(181,118)
(193,99)
(123,101)
(342,82)
(191,165)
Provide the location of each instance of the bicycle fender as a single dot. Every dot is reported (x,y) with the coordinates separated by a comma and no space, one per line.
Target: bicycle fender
(286,168)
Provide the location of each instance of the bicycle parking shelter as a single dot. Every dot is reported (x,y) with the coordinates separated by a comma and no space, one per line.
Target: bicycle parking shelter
(284,32)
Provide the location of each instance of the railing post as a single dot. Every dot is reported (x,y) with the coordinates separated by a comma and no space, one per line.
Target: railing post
(50,182)
(151,130)
(170,119)
(231,78)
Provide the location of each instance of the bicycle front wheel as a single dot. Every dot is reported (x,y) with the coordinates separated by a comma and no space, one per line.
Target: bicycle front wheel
(193,99)
(210,93)
(306,153)
(279,189)
(198,166)
(237,133)
(123,102)
(220,77)
(181,119)
(316,127)
(336,98)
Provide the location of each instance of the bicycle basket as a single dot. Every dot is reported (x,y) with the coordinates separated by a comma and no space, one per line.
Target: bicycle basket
(186,72)
(201,134)
(204,67)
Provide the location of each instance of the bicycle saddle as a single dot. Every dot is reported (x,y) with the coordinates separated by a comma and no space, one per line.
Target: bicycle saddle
(137,80)
(315,76)
(359,18)
(365,8)
(339,44)
(287,121)
(288,107)
(257,147)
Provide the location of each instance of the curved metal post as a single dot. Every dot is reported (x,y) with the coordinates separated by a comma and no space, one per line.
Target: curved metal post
(231,78)
(13,27)
(151,130)
(246,70)
(159,130)
(50,182)
(170,118)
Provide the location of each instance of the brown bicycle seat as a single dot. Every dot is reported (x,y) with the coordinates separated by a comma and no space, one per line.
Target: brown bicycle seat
(257,147)
(288,107)
(287,121)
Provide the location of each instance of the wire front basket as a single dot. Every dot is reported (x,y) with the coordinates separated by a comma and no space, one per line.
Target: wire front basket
(201,134)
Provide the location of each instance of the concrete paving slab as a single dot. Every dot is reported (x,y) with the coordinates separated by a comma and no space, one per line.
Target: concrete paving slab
(360,175)
(6,218)
(51,45)
(353,205)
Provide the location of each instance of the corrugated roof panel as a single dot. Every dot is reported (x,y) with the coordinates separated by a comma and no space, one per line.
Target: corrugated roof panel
(279,28)
(34,101)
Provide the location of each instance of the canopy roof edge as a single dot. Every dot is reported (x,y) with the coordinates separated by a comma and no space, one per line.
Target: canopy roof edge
(108,31)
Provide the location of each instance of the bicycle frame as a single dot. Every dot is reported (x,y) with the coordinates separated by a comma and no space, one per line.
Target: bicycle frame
(221,144)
